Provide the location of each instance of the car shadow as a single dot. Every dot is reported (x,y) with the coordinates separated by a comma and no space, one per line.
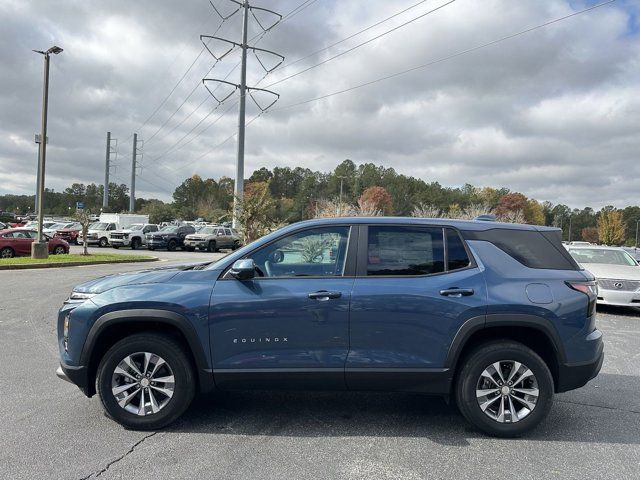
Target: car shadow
(574,418)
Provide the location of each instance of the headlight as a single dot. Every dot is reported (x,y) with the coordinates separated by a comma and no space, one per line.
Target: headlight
(79,297)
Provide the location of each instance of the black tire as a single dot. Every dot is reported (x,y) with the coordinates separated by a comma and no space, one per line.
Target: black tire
(211,246)
(174,355)
(236,245)
(469,375)
(59,250)
(7,252)
(103,242)
(135,243)
(151,248)
(172,245)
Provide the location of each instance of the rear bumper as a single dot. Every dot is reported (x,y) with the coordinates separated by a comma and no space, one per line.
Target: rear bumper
(576,375)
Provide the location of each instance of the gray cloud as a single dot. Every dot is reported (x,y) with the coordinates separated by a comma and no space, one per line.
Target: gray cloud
(554,113)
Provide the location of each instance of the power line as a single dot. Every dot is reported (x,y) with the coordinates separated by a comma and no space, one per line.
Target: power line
(442,59)
(360,44)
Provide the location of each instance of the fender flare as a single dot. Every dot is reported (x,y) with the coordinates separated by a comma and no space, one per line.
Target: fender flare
(482,322)
(168,317)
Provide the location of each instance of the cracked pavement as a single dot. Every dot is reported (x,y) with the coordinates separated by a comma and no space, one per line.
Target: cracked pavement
(48,429)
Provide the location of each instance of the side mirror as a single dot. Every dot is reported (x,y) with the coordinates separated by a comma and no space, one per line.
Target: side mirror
(244,269)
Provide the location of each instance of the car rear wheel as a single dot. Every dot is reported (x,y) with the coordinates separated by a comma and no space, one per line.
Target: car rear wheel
(135,243)
(59,250)
(236,245)
(7,252)
(103,242)
(504,388)
(171,246)
(211,247)
(145,381)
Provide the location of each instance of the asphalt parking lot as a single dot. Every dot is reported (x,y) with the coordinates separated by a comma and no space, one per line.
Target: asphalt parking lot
(48,429)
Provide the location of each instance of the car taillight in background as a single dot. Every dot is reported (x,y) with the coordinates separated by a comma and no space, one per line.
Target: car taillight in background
(590,289)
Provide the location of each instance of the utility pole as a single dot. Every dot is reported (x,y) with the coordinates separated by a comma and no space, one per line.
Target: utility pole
(238,189)
(339,212)
(132,193)
(105,195)
(40,248)
(570,218)
(35,207)
(637,222)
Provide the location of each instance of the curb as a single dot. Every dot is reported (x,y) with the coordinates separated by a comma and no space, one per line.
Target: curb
(29,266)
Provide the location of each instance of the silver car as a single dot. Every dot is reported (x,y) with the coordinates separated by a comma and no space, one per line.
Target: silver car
(617,273)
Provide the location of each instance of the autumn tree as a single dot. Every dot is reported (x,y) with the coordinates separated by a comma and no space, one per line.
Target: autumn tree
(590,234)
(376,199)
(256,211)
(610,226)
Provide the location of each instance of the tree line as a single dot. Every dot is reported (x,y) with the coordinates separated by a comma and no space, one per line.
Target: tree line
(282,195)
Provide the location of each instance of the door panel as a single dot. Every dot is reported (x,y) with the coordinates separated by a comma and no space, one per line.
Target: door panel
(403,323)
(265,324)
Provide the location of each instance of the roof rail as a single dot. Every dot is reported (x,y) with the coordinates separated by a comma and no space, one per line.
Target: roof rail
(486,218)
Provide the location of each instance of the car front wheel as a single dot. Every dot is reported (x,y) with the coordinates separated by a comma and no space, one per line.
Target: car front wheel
(504,388)
(59,250)
(172,245)
(145,381)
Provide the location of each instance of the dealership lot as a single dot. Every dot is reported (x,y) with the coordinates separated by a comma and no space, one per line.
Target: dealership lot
(48,429)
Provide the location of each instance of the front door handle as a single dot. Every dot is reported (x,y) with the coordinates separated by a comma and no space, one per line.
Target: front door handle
(324,295)
(457,292)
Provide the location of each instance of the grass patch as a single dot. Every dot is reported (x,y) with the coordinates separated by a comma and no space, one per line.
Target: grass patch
(76,258)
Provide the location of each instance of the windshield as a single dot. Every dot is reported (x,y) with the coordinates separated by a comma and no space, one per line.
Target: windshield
(206,230)
(602,256)
(169,229)
(99,226)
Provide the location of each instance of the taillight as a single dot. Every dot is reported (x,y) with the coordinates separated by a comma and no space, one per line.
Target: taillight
(590,289)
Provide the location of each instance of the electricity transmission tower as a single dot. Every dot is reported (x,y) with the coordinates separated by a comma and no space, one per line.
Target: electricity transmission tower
(136,152)
(258,13)
(112,149)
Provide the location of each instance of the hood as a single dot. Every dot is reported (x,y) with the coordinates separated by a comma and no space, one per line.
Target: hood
(152,275)
(124,230)
(615,272)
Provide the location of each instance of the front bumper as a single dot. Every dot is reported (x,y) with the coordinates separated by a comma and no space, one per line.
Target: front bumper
(157,243)
(76,375)
(618,298)
(196,243)
(120,242)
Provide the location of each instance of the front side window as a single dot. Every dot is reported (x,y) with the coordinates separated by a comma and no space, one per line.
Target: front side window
(397,250)
(318,252)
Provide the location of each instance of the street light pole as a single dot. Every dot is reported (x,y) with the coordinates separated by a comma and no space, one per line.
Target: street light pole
(570,218)
(637,222)
(39,248)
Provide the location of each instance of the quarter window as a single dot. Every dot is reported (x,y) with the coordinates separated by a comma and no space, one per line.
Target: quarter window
(457,256)
(405,251)
(318,252)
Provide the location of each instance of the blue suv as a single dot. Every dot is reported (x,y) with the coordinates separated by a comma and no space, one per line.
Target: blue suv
(497,317)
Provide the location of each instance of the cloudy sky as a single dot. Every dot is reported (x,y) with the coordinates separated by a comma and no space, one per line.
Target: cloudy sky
(554,113)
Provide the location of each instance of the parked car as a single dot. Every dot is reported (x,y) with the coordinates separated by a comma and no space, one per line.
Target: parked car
(498,317)
(3,226)
(98,234)
(70,234)
(212,238)
(134,236)
(51,230)
(170,237)
(17,242)
(617,274)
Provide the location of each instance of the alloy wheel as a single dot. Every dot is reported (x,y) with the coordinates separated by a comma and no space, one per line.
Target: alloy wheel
(507,391)
(143,383)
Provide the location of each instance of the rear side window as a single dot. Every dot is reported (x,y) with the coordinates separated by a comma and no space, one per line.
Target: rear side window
(404,251)
(532,248)
(227,231)
(457,256)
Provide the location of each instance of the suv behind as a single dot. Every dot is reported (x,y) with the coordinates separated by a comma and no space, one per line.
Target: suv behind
(211,238)
(170,237)
(497,317)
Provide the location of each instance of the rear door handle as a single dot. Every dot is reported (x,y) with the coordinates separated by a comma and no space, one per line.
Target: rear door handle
(324,295)
(457,292)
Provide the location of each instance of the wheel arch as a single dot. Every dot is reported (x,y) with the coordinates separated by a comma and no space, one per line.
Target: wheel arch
(114,326)
(530,330)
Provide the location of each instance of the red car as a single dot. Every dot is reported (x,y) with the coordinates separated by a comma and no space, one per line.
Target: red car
(15,242)
(70,234)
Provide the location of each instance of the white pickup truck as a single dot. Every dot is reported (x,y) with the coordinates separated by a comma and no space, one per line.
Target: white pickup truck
(133,236)
(99,233)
